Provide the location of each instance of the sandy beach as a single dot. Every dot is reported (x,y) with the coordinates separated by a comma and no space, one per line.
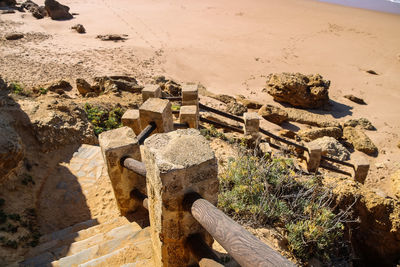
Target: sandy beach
(229,47)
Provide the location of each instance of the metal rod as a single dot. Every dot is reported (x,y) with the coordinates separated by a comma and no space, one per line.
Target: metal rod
(244,247)
(200,249)
(181,125)
(172,98)
(134,165)
(282,139)
(175,111)
(146,132)
(335,170)
(337,161)
(232,128)
(219,112)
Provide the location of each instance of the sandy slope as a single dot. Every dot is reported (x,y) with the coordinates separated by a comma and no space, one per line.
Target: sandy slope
(229,46)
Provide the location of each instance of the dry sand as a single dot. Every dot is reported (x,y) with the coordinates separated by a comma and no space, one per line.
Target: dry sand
(228,46)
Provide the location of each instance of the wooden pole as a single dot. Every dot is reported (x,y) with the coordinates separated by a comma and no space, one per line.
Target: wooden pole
(244,247)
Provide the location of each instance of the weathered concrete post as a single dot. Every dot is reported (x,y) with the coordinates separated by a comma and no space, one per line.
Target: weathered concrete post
(190,95)
(151,91)
(189,115)
(131,118)
(361,168)
(251,123)
(313,157)
(177,163)
(159,111)
(116,144)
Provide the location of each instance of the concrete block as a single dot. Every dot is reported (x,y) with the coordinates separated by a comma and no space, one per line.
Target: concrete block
(177,163)
(159,111)
(151,91)
(251,123)
(190,95)
(131,119)
(117,144)
(361,168)
(313,157)
(189,115)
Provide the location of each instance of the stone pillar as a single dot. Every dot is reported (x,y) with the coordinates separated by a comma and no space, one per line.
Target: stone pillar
(361,168)
(151,91)
(190,95)
(131,119)
(313,157)
(159,111)
(177,163)
(189,115)
(116,144)
(251,123)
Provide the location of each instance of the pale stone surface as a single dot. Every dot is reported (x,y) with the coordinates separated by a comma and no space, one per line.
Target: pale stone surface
(251,123)
(313,157)
(190,95)
(312,134)
(131,118)
(159,111)
(151,91)
(189,115)
(177,163)
(361,168)
(116,144)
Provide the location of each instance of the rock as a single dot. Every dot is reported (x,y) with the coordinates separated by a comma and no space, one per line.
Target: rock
(13,36)
(91,94)
(362,123)
(63,85)
(172,88)
(306,117)
(8,3)
(398,144)
(355,99)
(236,108)
(11,149)
(56,10)
(112,37)
(395,179)
(376,234)
(38,12)
(265,149)
(273,114)
(299,90)
(372,72)
(288,134)
(3,84)
(83,86)
(61,124)
(8,11)
(312,134)
(224,98)
(28,5)
(79,28)
(117,83)
(359,140)
(332,147)
(248,103)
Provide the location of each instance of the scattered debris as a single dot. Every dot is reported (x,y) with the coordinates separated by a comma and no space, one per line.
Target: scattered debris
(248,103)
(372,72)
(13,36)
(332,147)
(79,28)
(236,108)
(59,85)
(355,99)
(112,37)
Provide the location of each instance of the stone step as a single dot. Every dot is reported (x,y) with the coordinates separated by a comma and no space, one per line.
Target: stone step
(66,237)
(122,238)
(56,249)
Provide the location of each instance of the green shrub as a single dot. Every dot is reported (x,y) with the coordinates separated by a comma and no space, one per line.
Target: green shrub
(104,120)
(212,132)
(43,91)
(261,191)
(18,89)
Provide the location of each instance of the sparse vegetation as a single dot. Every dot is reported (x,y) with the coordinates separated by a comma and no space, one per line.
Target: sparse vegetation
(263,191)
(18,89)
(43,91)
(104,120)
(212,132)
